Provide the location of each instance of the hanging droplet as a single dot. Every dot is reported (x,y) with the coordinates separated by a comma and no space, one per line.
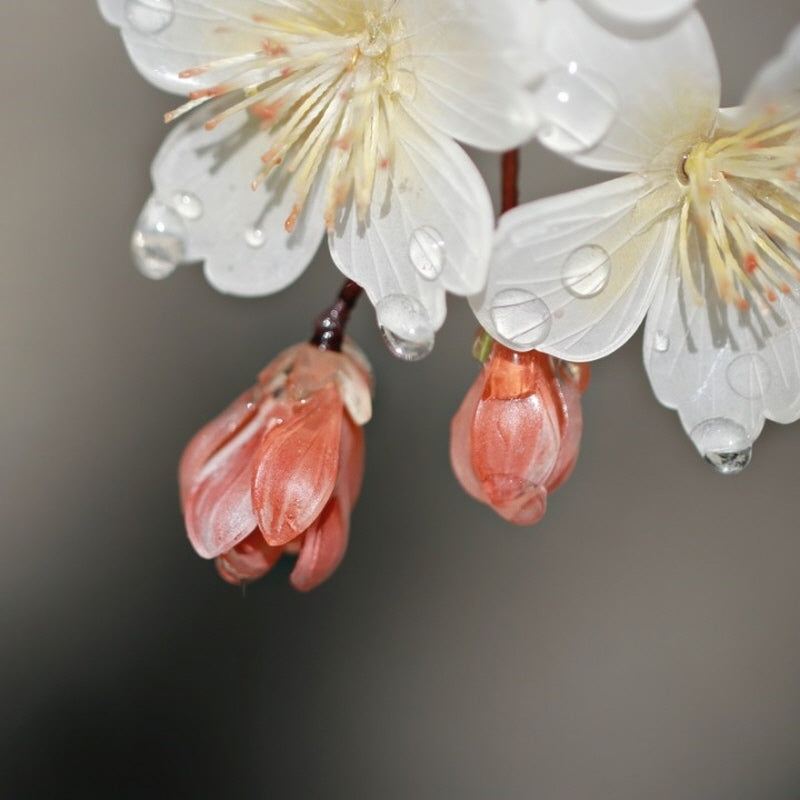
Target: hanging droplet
(254,237)
(188,205)
(577,106)
(586,270)
(159,240)
(660,342)
(749,375)
(723,443)
(427,253)
(520,318)
(149,16)
(406,326)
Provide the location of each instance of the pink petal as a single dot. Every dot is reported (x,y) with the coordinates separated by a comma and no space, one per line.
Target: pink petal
(323,548)
(250,559)
(296,467)
(571,429)
(461,441)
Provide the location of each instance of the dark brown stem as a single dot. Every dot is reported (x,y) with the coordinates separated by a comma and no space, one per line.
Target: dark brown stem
(331,323)
(510,176)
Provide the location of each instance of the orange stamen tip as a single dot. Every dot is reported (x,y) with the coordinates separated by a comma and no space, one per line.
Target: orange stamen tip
(750,263)
(785,288)
(771,296)
(291,220)
(742,304)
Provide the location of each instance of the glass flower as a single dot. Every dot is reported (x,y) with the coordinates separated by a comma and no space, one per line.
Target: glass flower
(325,115)
(280,469)
(516,436)
(702,236)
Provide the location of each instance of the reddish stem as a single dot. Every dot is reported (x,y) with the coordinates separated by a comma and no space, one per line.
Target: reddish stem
(510,175)
(330,324)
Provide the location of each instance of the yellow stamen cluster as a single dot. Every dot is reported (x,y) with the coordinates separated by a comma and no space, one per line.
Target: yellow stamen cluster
(742,206)
(322,84)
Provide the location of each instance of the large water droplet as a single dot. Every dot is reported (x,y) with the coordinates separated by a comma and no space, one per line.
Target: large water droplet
(520,318)
(159,240)
(427,253)
(254,237)
(660,342)
(723,443)
(188,205)
(406,326)
(586,270)
(578,107)
(749,375)
(149,16)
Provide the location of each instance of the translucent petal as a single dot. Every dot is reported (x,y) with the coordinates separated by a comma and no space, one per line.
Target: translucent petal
(461,441)
(429,227)
(252,558)
(778,81)
(164,37)
(469,63)
(634,16)
(621,103)
(239,233)
(323,548)
(573,275)
(740,368)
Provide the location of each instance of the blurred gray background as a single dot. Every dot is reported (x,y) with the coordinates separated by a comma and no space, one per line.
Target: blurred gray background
(641,642)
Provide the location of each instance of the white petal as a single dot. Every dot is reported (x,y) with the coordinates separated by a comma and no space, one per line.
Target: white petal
(238,232)
(636,16)
(470,63)
(164,37)
(778,82)
(723,377)
(429,227)
(573,275)
(622,104)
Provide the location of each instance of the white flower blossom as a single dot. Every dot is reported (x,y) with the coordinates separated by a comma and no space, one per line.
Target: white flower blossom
(636,16)
(337,116)
(703,235)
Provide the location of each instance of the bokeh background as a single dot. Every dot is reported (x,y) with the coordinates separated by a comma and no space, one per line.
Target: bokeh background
(641,642)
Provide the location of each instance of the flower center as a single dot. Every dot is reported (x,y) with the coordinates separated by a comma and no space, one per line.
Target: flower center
(323,83)
(742,211)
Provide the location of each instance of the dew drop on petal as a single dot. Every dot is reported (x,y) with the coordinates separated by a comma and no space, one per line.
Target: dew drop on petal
(159,240)
(406,326)
(577,107)
(520,318)
(723,443)
(427,252)
(749,375)
(586,270)
(149,16)
(254,237)
(660,342)
(188,205)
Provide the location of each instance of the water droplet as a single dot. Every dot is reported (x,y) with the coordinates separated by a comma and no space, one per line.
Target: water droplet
(406,326)
(254,237)
(427,252)
(188,205)
(660,342)
(520,318)
(723,443)
(149,16)
(749,375)
(586,271)
(159,240)
(578,107)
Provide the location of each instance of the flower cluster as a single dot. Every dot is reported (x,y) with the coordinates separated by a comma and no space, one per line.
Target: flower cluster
(345,120)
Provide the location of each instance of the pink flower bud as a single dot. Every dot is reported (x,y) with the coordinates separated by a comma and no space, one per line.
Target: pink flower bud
(280,469)
(517,434)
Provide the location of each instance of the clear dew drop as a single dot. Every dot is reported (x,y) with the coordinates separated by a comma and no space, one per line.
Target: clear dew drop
(188,205)
(723,443)
(254,237)
(405,326)
(586,270)
(149,16)
(520,318)
(577,106)
(749,375)
(427,252)
(159,240)
(660,342)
